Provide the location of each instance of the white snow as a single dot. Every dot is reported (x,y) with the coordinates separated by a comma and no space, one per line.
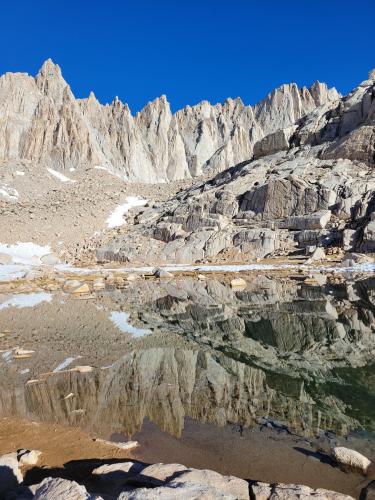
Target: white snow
(117,216)
(59,175)
(99,167)
(65,364)
(120,319)
(25,252)
(11,272)
(72,169)
(26,300)
(8,192)
(7,356)
(19,173)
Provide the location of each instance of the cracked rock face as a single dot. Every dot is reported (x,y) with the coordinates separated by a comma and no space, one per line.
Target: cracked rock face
(41,121)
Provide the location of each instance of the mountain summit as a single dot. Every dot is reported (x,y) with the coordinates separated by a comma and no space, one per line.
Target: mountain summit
(41,121)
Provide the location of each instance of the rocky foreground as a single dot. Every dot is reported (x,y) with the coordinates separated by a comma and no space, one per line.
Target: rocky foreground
(134,480)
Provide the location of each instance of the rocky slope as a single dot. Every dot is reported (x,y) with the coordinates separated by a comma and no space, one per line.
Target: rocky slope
(305,185)
(42,122)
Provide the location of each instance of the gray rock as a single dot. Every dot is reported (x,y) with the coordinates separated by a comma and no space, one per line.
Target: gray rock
(158,474)
(117,474)
(183,491)
(264,491)
(161,273)
(351,458)
(317,255)
(228,484)
(57,489)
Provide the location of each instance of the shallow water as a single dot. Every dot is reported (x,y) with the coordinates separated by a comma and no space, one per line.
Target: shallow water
(279,355)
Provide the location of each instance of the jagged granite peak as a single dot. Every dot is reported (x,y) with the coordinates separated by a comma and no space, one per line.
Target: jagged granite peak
(41,121)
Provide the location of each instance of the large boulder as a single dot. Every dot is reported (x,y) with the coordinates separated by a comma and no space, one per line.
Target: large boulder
(235,486)
(286,197)
(57,489)
(180,491)
(264,491)
(351,458)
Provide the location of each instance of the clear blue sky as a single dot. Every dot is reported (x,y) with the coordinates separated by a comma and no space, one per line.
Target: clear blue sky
(190,49)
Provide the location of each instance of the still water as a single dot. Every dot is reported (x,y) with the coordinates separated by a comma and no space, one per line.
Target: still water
(168,356)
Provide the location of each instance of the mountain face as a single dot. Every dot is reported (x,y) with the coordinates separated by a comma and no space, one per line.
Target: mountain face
(41,121)
(307,185)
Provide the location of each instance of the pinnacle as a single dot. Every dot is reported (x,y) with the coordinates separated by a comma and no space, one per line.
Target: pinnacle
(49,68)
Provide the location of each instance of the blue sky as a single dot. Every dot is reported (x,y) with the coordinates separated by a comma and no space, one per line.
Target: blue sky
(190,50)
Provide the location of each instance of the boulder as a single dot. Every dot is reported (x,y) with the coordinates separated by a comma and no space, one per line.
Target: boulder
(317,220)
(83,288)
(158,474)
(349,237)
(287,197)
(161,273)
(231,485)
(272,143)
(28,457)
(58,489)
(317,255)
(177,491)
(264,491)
(117,474)
(351,458)
(238,283)
(358,258)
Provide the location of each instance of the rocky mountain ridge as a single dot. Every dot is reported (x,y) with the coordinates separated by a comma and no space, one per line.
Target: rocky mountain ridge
(41,121)
(305,186)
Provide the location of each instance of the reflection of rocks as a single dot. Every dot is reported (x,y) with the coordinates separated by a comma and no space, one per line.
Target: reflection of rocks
(275,349)
(166,385)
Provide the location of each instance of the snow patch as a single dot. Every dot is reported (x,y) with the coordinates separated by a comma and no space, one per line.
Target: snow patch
(10,272)
(120,319)
(116,218)
(26,300)
(18,172)
(8,192)
(25,252)
(59,175)
(65,364)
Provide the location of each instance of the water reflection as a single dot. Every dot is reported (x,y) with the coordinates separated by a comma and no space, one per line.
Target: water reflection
(280,349)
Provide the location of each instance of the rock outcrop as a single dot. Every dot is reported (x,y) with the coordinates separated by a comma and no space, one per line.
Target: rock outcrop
(182,483)
(309,184)
(41,121)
